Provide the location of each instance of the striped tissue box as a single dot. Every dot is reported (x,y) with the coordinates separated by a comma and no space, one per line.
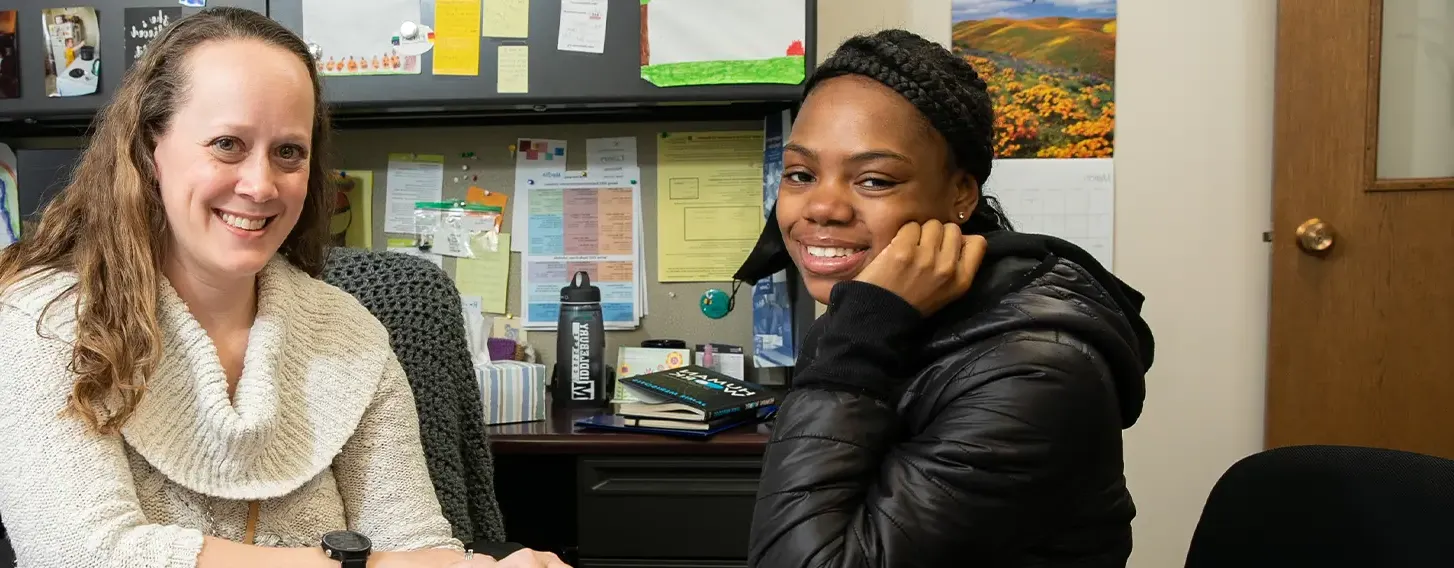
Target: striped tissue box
(512,391)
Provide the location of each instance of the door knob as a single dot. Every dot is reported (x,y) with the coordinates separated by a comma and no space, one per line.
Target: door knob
(1315,236)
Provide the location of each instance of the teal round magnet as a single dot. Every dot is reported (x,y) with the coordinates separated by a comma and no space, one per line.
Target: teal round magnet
(716,303)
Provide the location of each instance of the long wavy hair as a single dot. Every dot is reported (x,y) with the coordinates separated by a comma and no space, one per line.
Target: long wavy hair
(108,226)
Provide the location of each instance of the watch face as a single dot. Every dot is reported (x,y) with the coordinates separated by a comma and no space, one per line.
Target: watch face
(346,541)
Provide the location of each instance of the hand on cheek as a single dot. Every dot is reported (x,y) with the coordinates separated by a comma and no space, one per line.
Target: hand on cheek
(928,265)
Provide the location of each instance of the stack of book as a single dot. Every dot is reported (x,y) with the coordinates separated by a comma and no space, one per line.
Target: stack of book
(687,400)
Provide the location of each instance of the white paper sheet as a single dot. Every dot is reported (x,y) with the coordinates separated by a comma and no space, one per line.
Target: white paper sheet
(576,224)
(534,158)
(1074,199)
(411,178)
(616,158)
(582,26)
(607,156)
(687,31)
(356,37)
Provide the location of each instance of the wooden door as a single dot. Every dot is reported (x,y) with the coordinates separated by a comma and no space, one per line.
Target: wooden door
(1362,333)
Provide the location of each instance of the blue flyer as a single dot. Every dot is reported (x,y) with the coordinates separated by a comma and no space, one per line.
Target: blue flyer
(772,309)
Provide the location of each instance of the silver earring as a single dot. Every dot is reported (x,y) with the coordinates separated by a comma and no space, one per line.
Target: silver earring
(961,215)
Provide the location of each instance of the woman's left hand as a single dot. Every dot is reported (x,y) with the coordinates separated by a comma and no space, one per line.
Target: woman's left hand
(523,558)
(526,558)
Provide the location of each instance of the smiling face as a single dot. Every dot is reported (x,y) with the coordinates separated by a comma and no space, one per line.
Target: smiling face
(860,163)
(233,163)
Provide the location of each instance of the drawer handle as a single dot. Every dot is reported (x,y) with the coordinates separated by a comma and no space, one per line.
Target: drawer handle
(670,486)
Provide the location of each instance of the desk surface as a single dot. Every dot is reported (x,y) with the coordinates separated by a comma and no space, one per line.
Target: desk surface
(558,435)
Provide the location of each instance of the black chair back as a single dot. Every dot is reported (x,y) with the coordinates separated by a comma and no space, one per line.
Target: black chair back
(1329,507)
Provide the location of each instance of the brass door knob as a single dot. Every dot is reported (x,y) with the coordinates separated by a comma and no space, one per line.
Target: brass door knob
(1315,236)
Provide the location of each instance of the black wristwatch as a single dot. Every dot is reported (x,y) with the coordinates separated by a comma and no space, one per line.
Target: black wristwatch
(349,548)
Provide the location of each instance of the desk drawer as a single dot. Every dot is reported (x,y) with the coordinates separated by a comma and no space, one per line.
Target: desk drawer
(695,507)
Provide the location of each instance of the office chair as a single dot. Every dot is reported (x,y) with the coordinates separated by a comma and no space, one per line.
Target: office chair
(420,307)
(1329,507)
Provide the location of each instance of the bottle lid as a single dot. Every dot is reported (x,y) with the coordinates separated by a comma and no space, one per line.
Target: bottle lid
(580,290)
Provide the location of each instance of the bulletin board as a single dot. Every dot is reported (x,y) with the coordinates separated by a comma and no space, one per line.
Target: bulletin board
(556,78)
(673,307)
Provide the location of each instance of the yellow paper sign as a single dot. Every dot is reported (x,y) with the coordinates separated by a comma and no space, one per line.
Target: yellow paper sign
(513,69)
(709,203)
(507,18)
(457,37)
(486,276)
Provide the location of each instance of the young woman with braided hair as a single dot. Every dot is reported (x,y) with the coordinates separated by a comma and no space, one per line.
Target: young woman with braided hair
(962,400)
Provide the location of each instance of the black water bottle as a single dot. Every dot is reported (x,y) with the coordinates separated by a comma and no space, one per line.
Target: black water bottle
(580,378)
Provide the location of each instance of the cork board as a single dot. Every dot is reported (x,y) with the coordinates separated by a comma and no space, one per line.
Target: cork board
(672,308)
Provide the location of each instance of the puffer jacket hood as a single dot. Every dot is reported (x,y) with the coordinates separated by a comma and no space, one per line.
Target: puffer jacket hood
(1088,302)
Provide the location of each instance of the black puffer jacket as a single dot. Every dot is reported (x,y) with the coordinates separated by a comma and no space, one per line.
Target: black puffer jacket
(987,435)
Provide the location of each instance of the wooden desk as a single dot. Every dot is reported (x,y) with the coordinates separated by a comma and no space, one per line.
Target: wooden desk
(616,500)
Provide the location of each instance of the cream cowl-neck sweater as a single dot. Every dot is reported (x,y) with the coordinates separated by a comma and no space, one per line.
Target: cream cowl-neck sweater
(322,432)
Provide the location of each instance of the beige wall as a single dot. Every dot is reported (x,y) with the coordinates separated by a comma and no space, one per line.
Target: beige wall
(1193,183)
(840,19)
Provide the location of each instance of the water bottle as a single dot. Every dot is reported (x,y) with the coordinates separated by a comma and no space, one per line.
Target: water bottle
(580,378)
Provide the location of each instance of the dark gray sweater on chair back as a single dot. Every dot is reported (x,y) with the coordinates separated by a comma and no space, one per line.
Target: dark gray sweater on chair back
(420,306)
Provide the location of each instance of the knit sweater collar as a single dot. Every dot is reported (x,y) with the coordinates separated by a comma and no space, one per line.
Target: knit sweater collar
(302,392)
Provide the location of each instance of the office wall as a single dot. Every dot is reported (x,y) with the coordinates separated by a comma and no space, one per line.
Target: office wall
(1193,184)
(840,19)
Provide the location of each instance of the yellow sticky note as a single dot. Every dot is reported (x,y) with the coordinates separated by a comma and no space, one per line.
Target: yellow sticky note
(487,276)
(513,69)
(456,37)
(506,18)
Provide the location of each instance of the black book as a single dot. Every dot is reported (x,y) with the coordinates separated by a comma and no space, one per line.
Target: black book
(692,393)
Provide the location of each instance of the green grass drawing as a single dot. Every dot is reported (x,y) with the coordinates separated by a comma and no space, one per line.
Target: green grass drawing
(786,70)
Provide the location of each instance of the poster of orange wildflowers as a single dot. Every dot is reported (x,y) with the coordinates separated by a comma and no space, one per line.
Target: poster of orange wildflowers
(1051,70)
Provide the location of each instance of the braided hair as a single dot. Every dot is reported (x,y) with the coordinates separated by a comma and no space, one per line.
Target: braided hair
(945,89)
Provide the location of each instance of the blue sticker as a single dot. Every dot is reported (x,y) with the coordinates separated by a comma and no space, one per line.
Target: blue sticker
(193,3)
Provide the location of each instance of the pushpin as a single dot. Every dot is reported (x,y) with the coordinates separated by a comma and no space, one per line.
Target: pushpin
(464,167)
(715,303)
(512,148)
(409,30)
(316,51)
(455,179)
(477,178)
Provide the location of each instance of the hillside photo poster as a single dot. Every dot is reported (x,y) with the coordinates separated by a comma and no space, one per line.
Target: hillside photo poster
(1051,70)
